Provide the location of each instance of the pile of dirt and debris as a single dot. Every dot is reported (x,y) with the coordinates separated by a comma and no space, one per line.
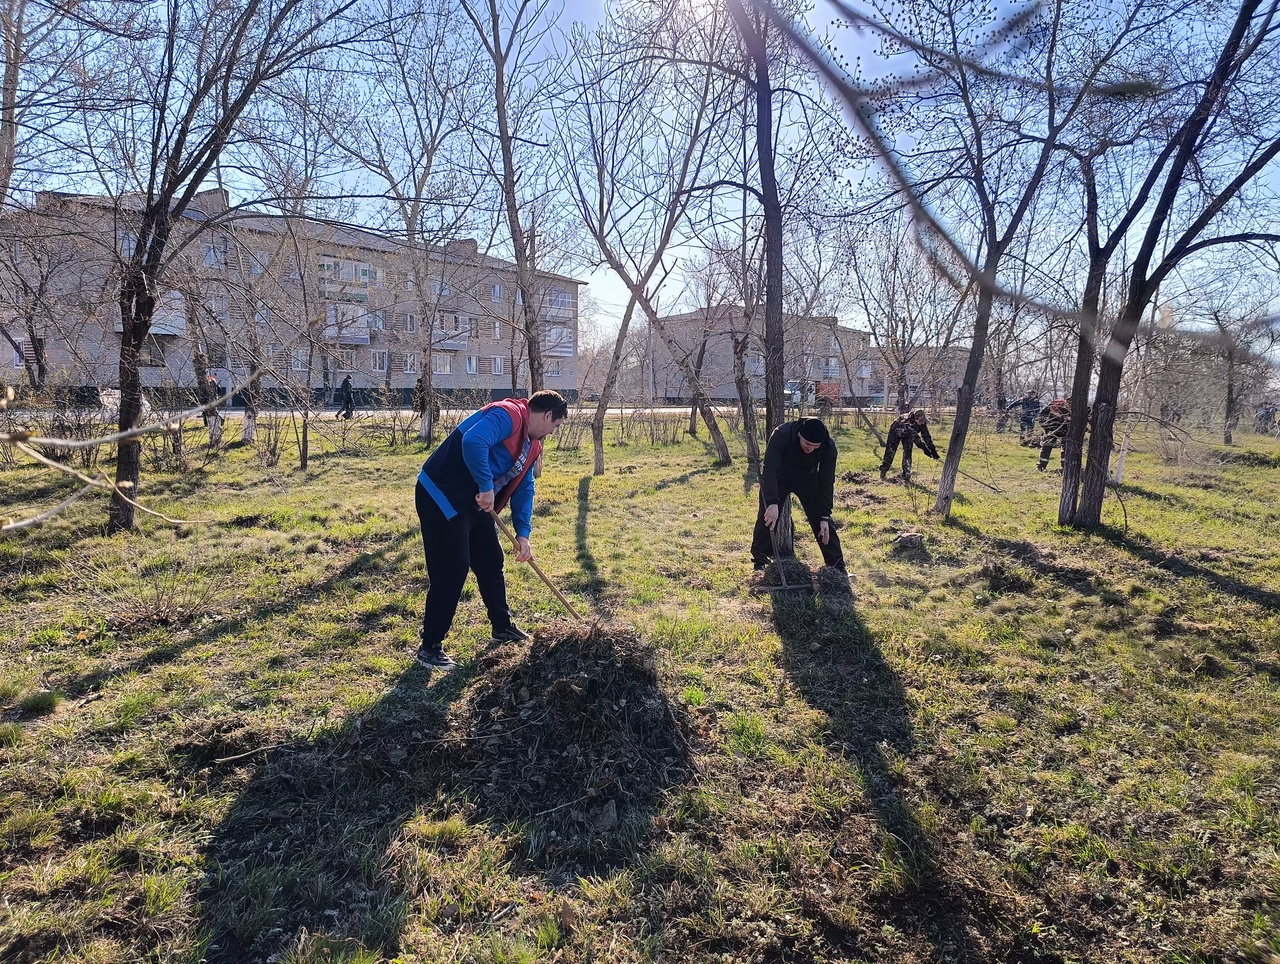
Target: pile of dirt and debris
(833,583)
(573,738)
(770,577)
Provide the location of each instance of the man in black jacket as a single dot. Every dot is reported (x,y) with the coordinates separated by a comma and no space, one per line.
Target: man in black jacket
(800,459)
(346,401)
(907,430)
(1055,423)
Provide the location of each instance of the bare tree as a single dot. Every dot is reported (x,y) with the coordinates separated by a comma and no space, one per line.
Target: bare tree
(912,310)
(1201,138)
(631,181)
(512,34)
(192,81)
(421,88)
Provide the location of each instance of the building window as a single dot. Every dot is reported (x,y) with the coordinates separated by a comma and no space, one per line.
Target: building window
(377,320)
(128,243)
(410,324)
(553,366)
(379,362)
(262,314)
(497,330)
(496,294)
(473,364)
(257,263)
(440,289)
(215,255)
(346,359)
(152,354)
(411,363)
(499,365)
(473,327)
(560,338)
(19,354)
(299,360)
(220,310)
(561,300)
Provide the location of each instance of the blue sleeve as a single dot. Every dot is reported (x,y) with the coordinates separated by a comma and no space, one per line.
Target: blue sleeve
(522,505)
(489,430)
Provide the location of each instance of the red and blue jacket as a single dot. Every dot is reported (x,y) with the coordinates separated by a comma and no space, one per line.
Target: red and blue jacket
(490,449)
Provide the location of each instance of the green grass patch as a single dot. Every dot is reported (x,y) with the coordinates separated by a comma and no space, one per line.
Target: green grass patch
(1020,743)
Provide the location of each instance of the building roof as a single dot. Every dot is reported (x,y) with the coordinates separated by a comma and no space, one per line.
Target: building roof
(214,205)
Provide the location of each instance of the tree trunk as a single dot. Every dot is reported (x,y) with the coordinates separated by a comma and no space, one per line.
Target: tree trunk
(964,405)
(784,532)
(1102,429)
(607,389)
(774,336)
(746,402)
(697,370)
(1231,414)
(136,309)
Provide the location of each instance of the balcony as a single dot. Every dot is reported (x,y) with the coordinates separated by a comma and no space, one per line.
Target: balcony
(346,333)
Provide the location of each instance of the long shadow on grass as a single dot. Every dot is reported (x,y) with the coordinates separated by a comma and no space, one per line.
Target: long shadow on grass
(1029,554)
(870,723)
(1174,563)
(590,581)
(364,564)
(305,843)
(551,766)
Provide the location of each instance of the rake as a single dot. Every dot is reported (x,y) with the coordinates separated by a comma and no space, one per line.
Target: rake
(541,575)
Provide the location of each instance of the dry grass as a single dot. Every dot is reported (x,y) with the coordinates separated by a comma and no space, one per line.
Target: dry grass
(1009,743)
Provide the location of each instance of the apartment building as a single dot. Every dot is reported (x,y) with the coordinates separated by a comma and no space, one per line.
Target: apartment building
(823,358)
(306,302)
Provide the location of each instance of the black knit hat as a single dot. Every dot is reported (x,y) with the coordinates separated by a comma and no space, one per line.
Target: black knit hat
(812,430)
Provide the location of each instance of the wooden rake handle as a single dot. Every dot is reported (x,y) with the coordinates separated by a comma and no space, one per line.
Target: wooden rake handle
(541,575)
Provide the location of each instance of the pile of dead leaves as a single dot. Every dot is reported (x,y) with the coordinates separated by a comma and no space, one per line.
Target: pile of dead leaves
(573,739)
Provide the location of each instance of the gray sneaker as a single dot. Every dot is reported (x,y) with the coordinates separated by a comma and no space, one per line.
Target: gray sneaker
(434,659)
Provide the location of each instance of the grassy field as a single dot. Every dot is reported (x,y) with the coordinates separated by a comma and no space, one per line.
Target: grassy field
(1019,744)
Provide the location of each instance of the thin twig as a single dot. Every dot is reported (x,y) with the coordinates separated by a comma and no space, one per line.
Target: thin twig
(49,514)
(259,749)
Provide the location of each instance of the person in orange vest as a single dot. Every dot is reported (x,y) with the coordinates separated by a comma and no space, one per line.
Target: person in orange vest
(484,464)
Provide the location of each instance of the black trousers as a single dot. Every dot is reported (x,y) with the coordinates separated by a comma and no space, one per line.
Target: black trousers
(468,541)
(891,449)
(762,541)
(1046,449)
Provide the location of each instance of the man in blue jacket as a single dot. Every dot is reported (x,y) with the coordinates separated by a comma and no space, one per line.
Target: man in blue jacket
(483,464)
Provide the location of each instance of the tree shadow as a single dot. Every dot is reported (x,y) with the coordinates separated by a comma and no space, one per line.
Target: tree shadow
(364,564)
(564,746)
(1030,555)
(1172,562)
(682,479)
(589,581)
(750,479)
(838,668)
